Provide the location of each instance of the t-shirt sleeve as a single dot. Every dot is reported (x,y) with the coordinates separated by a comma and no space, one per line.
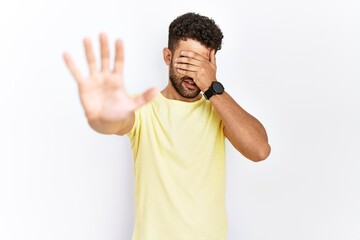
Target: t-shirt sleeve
(134,132)
(217,119)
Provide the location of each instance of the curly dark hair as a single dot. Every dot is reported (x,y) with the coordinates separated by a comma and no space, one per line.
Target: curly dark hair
(196,27)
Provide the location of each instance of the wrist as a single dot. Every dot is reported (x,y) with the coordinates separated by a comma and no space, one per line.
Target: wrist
(206,86)
(216,88)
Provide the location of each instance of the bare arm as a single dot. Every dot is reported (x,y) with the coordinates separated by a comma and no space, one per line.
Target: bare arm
(119,127)
(108,108)
(244,131)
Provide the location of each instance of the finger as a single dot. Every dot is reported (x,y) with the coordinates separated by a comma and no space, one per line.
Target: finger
(119,56)
(188,60)
(187,67)
(105,54)
(212,56)
(71,66)
(146,97)
(194,55)
(187,73)
(90,57)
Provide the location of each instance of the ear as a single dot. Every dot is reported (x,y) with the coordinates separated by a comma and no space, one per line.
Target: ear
(167,56)
(212,56)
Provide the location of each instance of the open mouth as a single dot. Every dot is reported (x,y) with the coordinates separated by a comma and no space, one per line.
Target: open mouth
(189,83)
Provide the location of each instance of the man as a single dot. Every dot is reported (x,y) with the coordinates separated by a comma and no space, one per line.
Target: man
(178,135)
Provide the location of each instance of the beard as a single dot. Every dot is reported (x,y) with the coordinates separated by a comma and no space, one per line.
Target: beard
(177,81)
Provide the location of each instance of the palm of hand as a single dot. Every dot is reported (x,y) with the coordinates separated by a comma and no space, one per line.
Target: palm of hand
(102,94)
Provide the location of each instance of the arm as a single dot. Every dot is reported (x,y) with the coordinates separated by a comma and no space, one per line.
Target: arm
(244,131)
(120,127)
(108,108)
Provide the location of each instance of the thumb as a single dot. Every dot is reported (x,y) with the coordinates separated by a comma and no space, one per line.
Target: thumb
(146,97)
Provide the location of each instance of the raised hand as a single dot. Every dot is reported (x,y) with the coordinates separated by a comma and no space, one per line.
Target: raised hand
(201,69)
(102,93)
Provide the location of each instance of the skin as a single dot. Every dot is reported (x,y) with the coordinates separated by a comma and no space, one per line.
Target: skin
(110,110)
(243,130)
(108,107)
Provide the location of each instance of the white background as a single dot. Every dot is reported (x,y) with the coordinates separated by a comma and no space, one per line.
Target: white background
(292,64)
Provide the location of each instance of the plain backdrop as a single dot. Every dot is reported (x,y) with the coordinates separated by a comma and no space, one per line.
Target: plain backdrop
(295,65)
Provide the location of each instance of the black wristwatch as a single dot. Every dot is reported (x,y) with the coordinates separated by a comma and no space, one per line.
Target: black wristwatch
(215,88)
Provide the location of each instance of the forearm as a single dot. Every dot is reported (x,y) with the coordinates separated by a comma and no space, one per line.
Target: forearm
(243,130)
(119,127)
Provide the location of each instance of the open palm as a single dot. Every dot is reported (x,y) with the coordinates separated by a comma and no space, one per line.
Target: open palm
(102,93)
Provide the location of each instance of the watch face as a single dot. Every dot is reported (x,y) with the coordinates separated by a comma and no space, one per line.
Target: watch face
(217,87)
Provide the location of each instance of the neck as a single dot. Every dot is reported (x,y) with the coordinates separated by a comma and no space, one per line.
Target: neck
(170,93)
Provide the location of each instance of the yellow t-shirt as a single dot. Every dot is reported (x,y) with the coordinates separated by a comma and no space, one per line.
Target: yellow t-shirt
(179,167)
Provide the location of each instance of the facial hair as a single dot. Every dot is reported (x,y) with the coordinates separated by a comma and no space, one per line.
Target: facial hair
(177,80)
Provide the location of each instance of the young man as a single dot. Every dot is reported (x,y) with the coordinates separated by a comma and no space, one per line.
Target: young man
(177,135)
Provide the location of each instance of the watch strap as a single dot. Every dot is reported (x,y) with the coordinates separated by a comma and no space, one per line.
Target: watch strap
(215,88)
(208,93)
